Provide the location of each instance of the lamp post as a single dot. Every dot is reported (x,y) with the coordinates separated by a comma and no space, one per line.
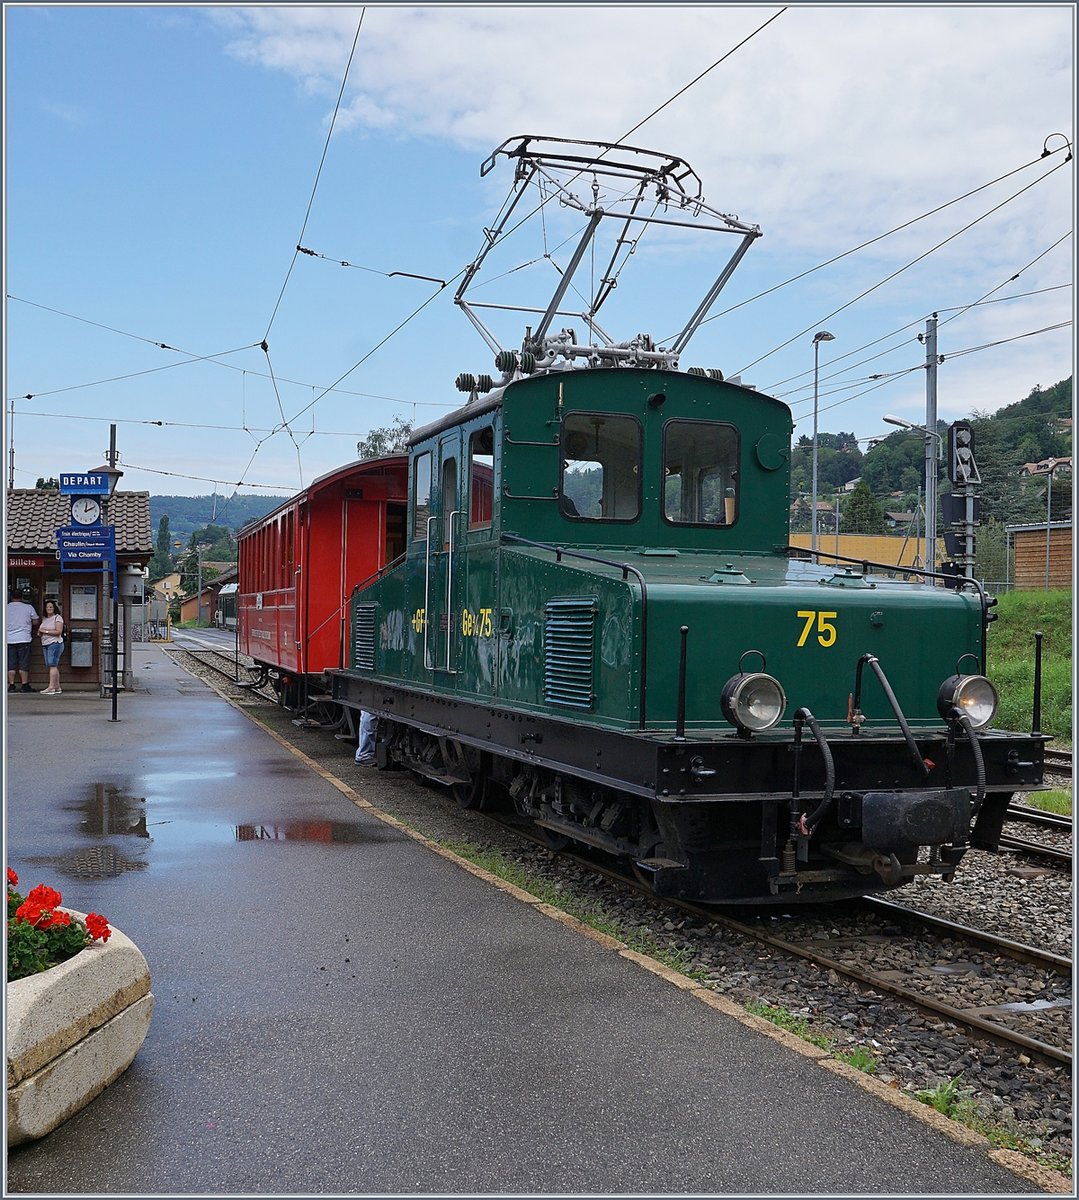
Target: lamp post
(822,336)
(113,473)
(930,488)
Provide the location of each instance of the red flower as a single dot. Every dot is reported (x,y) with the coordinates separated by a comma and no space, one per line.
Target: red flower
(97,927)
(29,911)
(56,918)
(12,878)
(44,897)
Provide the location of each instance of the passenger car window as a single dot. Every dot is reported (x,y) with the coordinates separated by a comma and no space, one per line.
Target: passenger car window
(700,469)
(601,467)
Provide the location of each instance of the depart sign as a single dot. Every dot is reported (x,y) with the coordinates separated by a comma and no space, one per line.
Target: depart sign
(86,483)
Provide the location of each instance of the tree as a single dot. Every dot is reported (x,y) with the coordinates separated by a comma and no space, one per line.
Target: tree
(861,512)
(390,439)
(217,544)
(161,563)
(52,483)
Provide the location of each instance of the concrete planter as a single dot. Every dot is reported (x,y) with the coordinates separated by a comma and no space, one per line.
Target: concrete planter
(71,1031)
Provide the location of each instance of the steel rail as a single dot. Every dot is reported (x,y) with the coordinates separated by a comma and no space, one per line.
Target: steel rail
(1000,1034)
(1061,859)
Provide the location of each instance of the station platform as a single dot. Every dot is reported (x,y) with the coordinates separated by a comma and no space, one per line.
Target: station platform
(340,1009)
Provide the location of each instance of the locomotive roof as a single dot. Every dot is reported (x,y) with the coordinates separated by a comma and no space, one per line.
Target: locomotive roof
(493,401)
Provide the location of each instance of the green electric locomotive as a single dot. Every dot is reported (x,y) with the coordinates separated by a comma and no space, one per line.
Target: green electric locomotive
(598,620)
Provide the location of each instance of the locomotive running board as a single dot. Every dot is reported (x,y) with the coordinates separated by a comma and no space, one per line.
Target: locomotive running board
(654,764)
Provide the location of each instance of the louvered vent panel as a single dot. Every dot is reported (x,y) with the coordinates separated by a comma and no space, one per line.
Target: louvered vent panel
(569,644)
(363,637)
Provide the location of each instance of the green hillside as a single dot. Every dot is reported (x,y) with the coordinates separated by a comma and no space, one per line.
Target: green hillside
(188,513)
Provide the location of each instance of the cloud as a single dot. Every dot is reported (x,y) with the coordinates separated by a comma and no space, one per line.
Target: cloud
(70,114)
(886,105)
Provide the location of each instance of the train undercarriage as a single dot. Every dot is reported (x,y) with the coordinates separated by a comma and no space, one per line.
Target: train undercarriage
(661,806)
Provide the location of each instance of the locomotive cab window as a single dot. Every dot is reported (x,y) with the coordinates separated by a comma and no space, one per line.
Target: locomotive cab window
(700,473)
(601,467)
(481,457)
(421,494)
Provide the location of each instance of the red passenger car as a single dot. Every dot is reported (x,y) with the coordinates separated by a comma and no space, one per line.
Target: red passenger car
(299,564)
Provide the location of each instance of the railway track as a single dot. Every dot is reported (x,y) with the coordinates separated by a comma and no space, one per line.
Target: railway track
(1030,1012)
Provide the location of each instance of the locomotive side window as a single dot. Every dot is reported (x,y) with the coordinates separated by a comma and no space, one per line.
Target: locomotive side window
(700,469)
(421,495)
(448,499)
(601,467)
(481,457)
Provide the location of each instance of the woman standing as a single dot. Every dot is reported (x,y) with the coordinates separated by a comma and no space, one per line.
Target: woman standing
(51,631)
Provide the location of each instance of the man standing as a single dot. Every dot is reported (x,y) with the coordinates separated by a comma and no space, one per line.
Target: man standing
(22,619)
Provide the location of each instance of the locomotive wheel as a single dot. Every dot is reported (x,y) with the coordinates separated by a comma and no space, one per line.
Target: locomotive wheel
(552,839)
(472,794)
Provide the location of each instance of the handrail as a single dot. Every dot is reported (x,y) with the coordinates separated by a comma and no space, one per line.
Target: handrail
(626,569)
(449,587)
(427,666)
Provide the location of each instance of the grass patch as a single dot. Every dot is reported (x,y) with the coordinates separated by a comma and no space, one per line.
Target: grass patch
(859,1057)
(1054,802)
(1011,661)
(791,1022)
(958,1104)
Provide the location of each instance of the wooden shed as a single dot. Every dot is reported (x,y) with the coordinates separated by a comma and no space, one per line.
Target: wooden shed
(1031,571)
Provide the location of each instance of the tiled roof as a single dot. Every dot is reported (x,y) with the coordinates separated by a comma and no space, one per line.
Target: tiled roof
(35,514)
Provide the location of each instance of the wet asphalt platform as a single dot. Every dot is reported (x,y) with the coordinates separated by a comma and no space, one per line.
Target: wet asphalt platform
(341,1010)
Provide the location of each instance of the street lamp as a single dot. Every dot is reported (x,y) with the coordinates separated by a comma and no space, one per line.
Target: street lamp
(1048,517)
(930,487)
(822,336)
(113,473)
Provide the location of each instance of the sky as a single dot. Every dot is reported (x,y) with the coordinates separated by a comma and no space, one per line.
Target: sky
(162,163)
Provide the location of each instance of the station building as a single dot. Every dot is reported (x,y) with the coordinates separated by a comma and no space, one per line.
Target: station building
(84,597)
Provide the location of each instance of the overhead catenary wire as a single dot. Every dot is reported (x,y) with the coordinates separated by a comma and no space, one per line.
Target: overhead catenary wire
(881,236)
(906,267)
(958,310)
(318,175)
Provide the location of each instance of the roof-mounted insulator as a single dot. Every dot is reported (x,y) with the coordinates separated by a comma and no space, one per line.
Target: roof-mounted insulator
(465,382)
(706,372)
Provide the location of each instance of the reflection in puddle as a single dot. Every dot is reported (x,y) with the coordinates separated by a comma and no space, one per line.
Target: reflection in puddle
(99,862)
(303,831)
(110,811)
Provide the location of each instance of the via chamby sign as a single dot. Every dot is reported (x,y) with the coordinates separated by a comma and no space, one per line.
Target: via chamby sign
(82,548)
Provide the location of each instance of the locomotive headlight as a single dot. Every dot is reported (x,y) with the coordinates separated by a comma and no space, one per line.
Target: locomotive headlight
(973,695)
(753,702)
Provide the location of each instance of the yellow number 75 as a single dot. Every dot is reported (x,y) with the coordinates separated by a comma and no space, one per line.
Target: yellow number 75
(825,628)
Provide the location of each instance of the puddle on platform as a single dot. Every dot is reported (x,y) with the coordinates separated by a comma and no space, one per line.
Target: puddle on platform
(111,812)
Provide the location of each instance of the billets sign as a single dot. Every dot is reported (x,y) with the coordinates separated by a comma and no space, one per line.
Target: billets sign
(85,483)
